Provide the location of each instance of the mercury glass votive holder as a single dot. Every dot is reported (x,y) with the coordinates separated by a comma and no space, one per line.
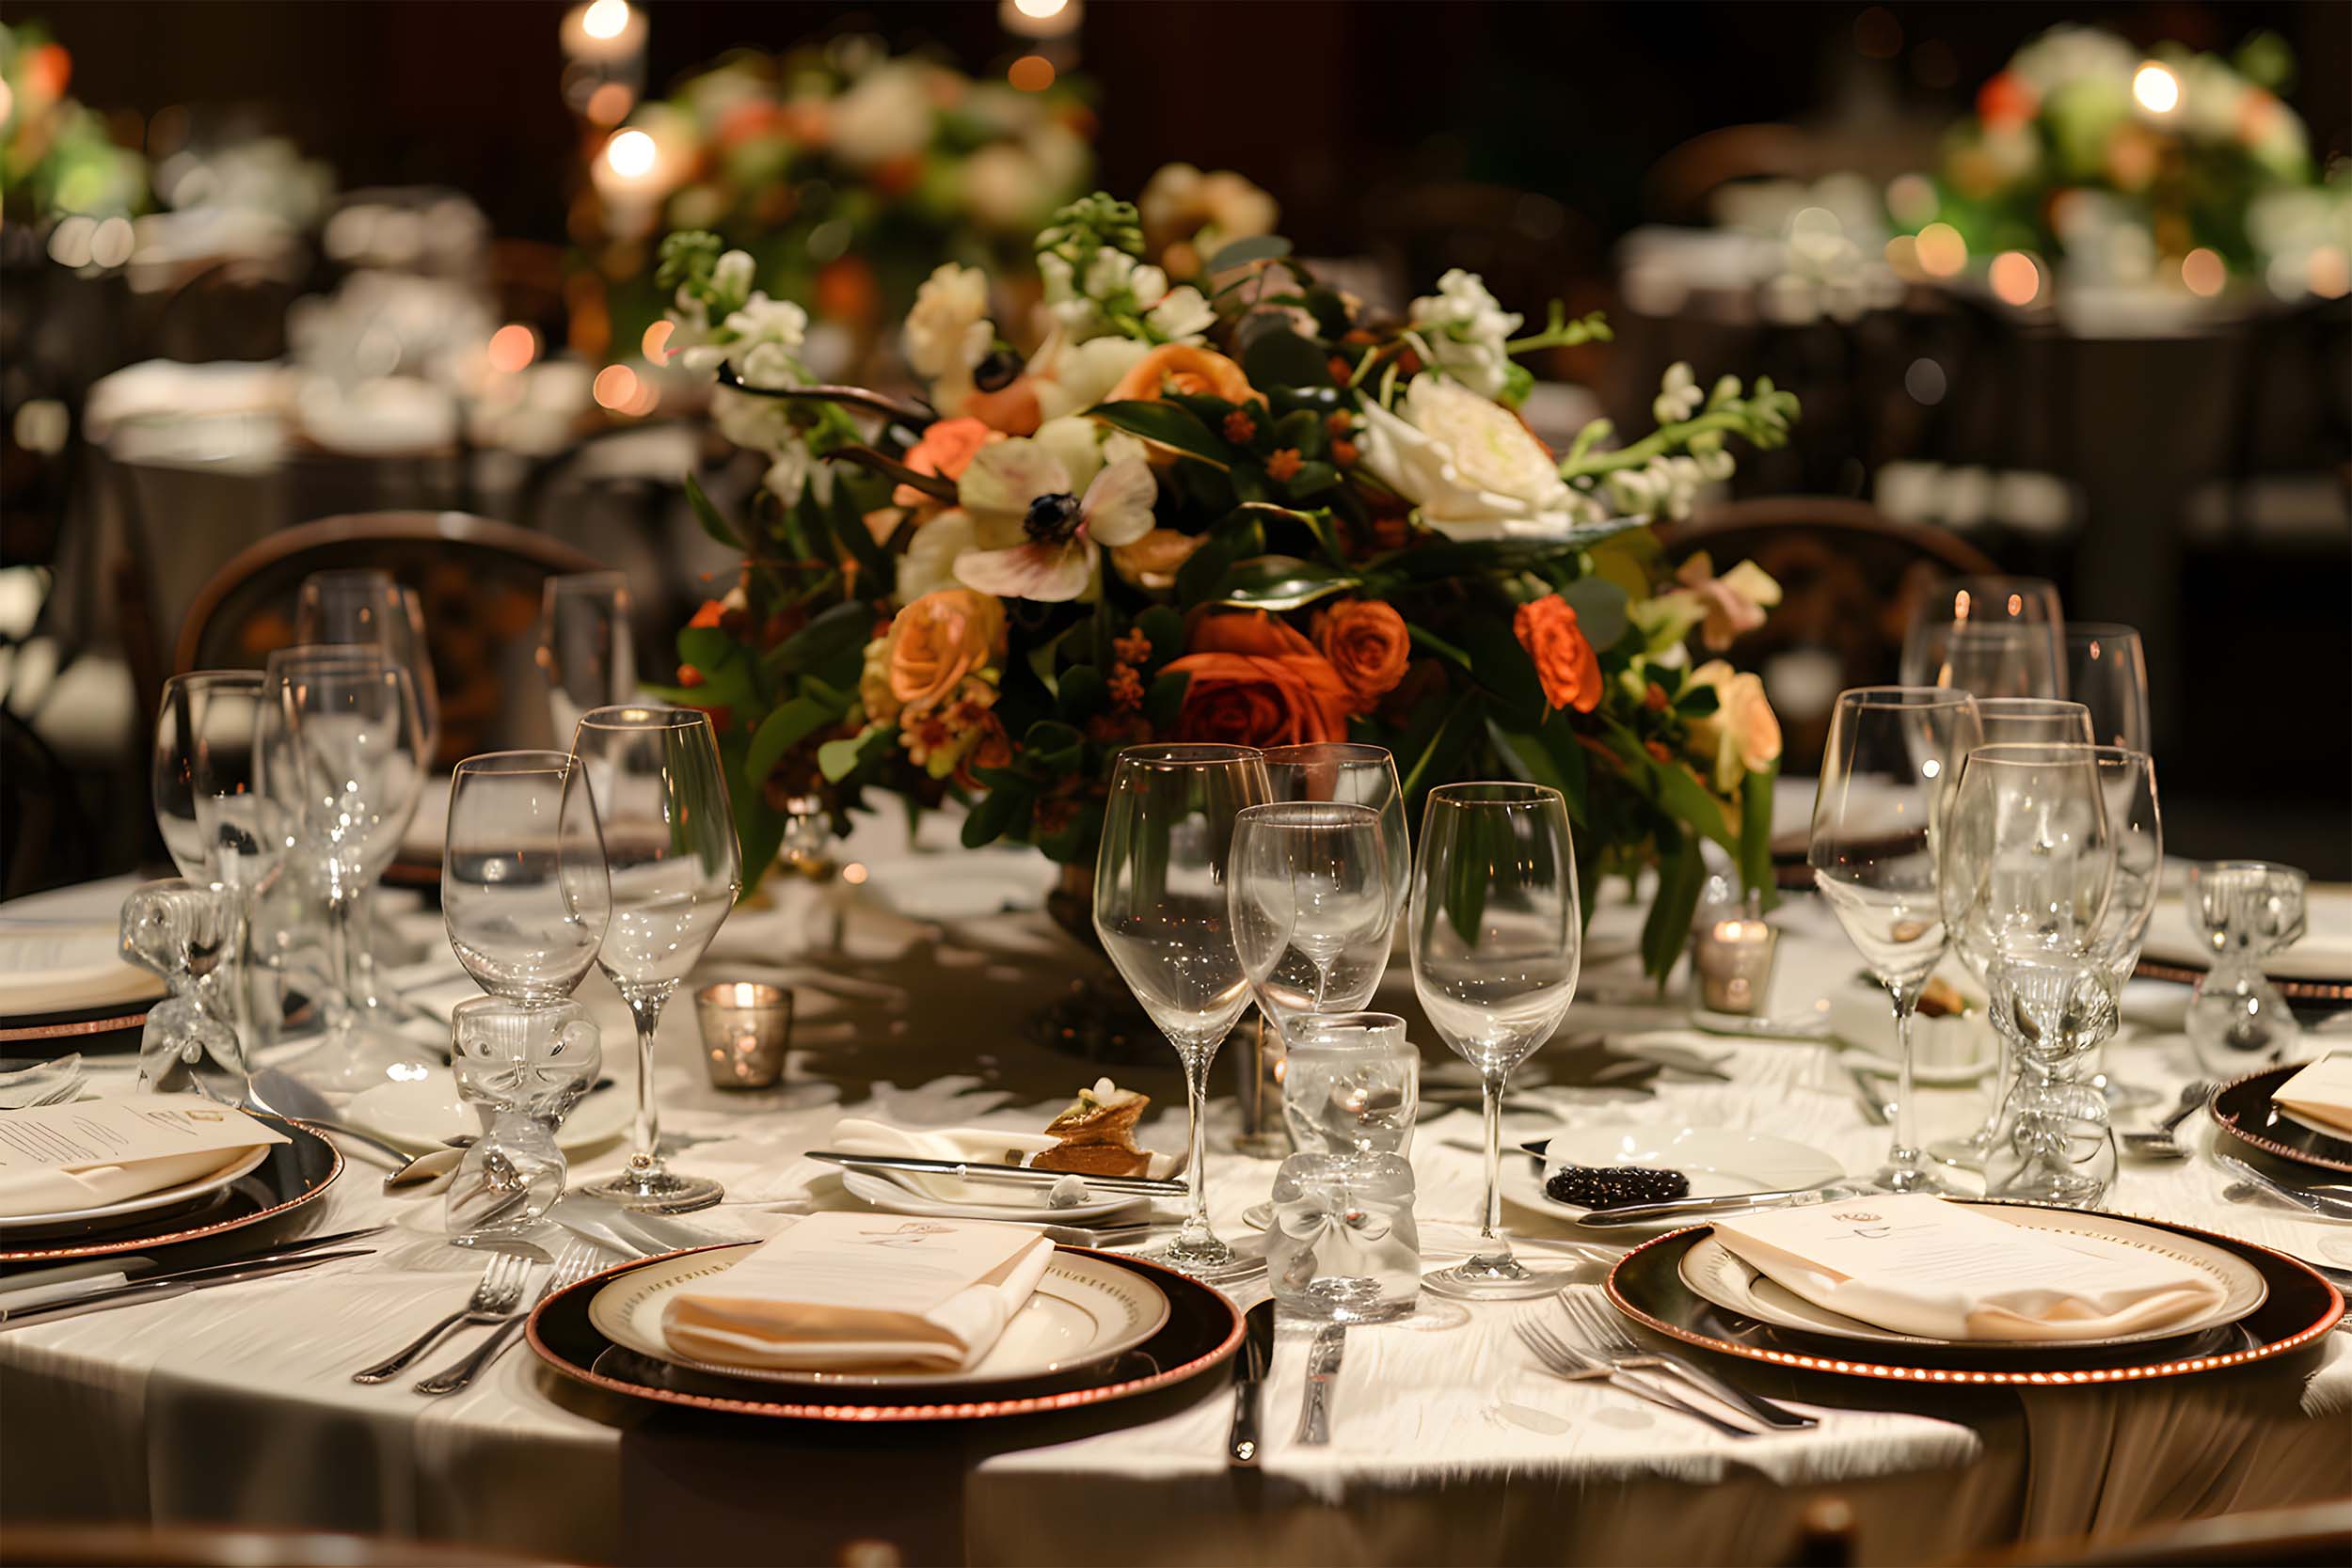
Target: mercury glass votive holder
(1732,953)
(747,1028)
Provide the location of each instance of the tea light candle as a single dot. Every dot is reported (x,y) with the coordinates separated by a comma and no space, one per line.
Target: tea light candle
(1733,958)
(747,1028)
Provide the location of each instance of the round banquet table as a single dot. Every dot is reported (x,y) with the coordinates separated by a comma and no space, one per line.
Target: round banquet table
(1450,1445)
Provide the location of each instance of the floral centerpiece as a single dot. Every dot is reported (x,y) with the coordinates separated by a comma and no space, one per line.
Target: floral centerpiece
(1244,509)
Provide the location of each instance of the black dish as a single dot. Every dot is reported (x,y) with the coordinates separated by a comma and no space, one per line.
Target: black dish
(2248,1111)
(295,1172)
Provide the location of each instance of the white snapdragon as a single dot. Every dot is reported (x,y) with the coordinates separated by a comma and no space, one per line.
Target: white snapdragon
(1468,331)
(1678,395)
(1183,317)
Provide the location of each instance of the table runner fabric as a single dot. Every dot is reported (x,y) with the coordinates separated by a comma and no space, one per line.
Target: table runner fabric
(238,1402)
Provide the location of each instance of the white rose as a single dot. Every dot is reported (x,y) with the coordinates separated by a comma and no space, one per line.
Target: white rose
(1183,316)
(947,332)
(886,116)
(1471,468)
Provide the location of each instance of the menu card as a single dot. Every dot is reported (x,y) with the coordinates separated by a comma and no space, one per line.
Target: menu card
(2320,1093)
(69,964)
(840,1290)
(986,1145)
(1916,1264)
(63,1159)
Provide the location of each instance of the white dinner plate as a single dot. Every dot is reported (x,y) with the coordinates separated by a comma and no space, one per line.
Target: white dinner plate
(1714,1272)
(1022,1205)
(2324,954)
(1085,1312)
(1720,1161)
(1949,1050)
(246,1161)
(422,1114)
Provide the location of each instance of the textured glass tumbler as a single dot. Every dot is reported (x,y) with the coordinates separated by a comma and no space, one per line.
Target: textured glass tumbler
(522,1068)
(1343,1246)
(1351,1085)
(2243,912)
(187,932)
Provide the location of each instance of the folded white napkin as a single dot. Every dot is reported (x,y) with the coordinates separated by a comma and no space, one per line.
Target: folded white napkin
(2320,1093)
(63,1159)
(840,1290)
(986,1145)
(1918,1265)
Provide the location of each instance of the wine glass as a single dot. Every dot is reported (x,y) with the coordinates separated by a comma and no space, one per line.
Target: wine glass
(1496,939)
(1353,772)
(2107,671)
(345,752)
(525,894)
(1886,777)
(2024,721)
(1994,637)
(1162,907)
(660,797)
(362,603)
(585,647)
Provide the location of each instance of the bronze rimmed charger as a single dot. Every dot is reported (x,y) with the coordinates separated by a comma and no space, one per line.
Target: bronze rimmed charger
(2248,1110)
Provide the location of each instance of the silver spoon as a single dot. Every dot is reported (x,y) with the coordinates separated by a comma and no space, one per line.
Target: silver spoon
(2160,1144)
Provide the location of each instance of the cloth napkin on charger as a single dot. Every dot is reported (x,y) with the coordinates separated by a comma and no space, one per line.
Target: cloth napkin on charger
(840,1290)
(984,1145)
(55,1159)
(2320,1093)
(1916,1264)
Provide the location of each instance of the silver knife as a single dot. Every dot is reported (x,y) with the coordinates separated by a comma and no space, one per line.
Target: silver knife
(131,1295)
(1699,1208)
(1017,1175)
(1323,1364)
(1242,1444)
(64,1276)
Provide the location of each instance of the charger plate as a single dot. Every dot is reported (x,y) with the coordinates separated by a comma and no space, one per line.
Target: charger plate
(2247,1108)
(1084,1313)
(2299,1307)
(1715,1271)
(15,1226)
(1201,1331)
(292,1174)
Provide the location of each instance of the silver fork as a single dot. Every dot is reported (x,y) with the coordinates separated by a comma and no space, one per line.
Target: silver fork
(574,1263)
(1564,1360)
(500,1292)
(1619,1347)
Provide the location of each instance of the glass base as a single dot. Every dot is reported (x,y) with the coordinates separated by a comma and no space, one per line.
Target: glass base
(1966,1154)
(1910,1178)
(1502,1278)
(1347,1301)
(657,1192)
(1211,1262)
(347,1060)
(1259,1217)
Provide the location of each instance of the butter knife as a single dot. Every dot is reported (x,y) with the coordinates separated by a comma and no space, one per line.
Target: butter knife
(1243,1446)
(1699,1208)
(131,1295)
(1015,1176)
(1323,1364)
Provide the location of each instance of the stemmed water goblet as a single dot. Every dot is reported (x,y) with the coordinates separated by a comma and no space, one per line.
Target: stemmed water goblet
(2029,721)
(1993,637)
(1162,906)
(586,650)
(1497,941)
(1887,773)
(2107,671)
(660,798)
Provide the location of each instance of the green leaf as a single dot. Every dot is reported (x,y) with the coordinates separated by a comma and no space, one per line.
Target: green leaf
(1257,247)
(758,833)
(1166,629)
(1600,609)
(1165,425)
(1281,583)
(1681,873)
(708,514)
(1756,832)
(849,528)
(782,730)
(1430,642)
(1084,692)
(1302,429)
(1164,703)
(1501,666)
(1311,479)
(1461,721)
(707,648)
(829,633)
(1055,746)
(838,759)
(991,815)
(1282,358)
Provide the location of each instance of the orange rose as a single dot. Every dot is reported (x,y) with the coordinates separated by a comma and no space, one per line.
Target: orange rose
(1366,644)
(938,640)
(945,449)
(1182,368)
(1012,409)
(1256,682)
(1565,660)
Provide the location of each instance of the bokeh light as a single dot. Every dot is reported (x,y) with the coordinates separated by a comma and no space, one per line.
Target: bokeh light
(606,19)
(2157,89)
(512,347)
(2015,279)
(656,341)
(609,103)
(2203,271)
(1941,251)
(616,387)
(631,155)
(1032,73)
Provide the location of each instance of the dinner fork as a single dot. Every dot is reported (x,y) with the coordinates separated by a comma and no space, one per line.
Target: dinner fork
(1564,1360)
(574,1263)
(500,1292)
(1619,1347)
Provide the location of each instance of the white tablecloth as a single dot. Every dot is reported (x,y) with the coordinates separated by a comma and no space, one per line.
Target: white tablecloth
(1450,1444)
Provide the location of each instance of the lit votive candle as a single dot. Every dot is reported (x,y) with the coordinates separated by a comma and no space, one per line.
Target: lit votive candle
(747,1028)
(1734,960)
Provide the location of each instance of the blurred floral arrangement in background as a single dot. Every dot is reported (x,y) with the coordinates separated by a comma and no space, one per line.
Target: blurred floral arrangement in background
(1242,508)
(56,155)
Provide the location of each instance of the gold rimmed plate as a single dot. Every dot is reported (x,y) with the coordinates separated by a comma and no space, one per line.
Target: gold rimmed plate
(292,1174)
(2247,1109)
(1201,1332)
(2298,1306)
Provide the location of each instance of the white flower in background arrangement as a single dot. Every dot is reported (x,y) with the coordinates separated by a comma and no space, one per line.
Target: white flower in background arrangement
(947,332)
(1469,465)
(1053,521)
(1073,376)
(887,114)
(1183,317)
(1468,331)
(767,332)
(1005,190)
(1678,395)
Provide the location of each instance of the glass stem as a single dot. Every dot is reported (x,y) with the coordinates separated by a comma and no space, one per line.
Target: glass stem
(1493,1251)
(644,1009)
(341,998)
(1196,1231)
(1904,1155)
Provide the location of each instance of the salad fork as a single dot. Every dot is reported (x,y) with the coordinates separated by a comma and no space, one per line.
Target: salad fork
(500,1292)
(1564,1360)
(574,1263)
(1617,1346)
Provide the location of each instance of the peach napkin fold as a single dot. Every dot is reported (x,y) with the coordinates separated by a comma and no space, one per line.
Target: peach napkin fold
(2320,1093)
(984,1145)
(1920,1265)
(65,1159)
(841,1292)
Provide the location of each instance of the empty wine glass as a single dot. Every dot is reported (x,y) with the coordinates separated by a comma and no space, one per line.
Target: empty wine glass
(1887,773)
(1497,939)
(363,604)
(1353,772)
(1994,637)
(524,890)
(585,648)
(2028,721)
(2107,671)
(1162,907)
(660,798)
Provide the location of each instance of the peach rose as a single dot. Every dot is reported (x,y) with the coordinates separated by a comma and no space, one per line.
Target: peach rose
(1152,561)
(1256,682)
(1742,735)
(945,449)
(1565,660)
(934,644)
(1366,644)
(1182,368)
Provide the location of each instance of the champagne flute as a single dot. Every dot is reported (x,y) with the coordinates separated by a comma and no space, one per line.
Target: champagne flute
(1497,939)
(2107,671)
(660,797)
(1162,907)
(585,647)
(525,894)
(1994,637)
(1886,777)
